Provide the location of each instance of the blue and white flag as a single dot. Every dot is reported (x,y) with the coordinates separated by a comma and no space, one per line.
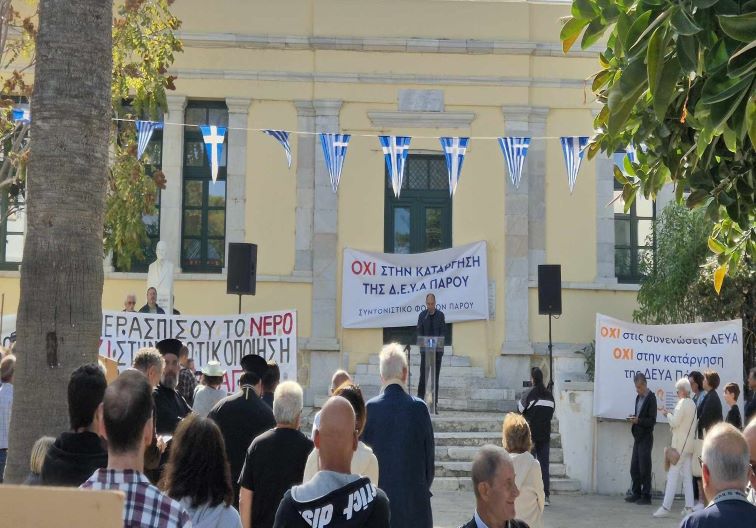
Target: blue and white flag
(214,137)
(573,148)
(395,150)
(454,151)
(21,115)
(334,152)
(514,149)
(283,138)
(631,155)
(144,134)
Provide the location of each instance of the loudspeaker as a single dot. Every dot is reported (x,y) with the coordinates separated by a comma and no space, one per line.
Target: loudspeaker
(242,268)
(549,289)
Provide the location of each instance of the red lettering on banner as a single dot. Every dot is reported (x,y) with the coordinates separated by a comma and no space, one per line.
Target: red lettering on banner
(363,267)
(272,325)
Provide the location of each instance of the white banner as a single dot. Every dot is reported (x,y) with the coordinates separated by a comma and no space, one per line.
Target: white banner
(664,353)
(386,289)
(226,338)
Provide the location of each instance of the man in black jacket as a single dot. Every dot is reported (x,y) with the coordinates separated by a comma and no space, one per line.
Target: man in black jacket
(643,420)
(77,454)
(750,404)
(430,323)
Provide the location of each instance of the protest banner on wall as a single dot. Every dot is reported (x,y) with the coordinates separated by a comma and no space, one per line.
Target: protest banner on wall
(387,289)
(226,338)
(664,354)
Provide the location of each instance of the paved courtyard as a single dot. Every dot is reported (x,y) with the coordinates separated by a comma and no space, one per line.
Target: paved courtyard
(452,509)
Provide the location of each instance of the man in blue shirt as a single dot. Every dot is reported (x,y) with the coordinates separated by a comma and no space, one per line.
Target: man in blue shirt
(725,470)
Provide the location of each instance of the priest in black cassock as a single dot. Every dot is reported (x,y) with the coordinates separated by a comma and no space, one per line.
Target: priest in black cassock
(170,406)
(243,416)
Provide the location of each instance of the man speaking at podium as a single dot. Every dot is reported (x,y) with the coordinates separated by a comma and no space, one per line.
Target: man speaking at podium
(430,323)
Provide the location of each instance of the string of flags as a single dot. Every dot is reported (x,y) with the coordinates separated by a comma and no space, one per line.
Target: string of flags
(395,150)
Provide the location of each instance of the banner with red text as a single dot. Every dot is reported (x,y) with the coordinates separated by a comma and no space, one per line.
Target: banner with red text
(389,289)
(226,338)
(664,354)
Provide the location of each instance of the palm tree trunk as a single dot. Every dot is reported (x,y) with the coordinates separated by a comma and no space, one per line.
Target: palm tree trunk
(62,272)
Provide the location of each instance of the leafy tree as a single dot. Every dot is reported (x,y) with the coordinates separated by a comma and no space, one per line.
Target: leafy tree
(144,44)
(677,83)
(677,287)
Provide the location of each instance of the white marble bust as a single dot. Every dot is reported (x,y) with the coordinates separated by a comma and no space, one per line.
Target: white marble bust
(160,277)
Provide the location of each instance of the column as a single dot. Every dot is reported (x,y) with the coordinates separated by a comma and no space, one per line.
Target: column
(524,247)
(236,175)
(305,187)
(173,163)
(605,272)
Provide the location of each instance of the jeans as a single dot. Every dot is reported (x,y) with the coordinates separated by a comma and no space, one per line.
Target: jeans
(640,466)
(3,458)
(682,468)
(423,369)
(541,451)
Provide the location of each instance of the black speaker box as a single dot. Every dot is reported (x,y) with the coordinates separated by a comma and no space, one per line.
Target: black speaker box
(550,289)
(242,268)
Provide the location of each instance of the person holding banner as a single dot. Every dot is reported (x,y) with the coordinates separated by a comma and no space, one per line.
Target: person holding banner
(643,420)
(679,456)
(431,323)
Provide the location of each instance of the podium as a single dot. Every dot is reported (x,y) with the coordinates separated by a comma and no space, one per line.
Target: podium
(431,347)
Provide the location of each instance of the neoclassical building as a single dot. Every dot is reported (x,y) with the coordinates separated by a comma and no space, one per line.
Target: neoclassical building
(422,68)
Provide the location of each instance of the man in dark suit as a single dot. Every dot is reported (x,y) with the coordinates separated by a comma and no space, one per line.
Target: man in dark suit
(243,416)
(400,432)
(725,472)
(710,411)
(430,322)
(750,404)
(495,490)
(643,420)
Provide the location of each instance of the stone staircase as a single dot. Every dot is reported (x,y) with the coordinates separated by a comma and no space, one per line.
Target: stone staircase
(459,435)
(462,386)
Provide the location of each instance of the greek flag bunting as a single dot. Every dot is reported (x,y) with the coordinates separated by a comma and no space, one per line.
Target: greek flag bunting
(573,148)
(395,150)
(144,134)
(334,152)
(283,138)
(454,151)
(514,149)
(21,115)
(214,137)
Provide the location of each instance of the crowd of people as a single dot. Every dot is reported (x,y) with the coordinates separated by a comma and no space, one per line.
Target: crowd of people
(709,454)
(241,460)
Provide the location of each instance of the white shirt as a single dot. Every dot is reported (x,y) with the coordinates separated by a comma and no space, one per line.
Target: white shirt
(6,402)
(478,521)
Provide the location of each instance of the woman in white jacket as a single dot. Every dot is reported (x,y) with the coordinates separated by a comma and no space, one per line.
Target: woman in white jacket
(517,441)
(364,462)
(682,422)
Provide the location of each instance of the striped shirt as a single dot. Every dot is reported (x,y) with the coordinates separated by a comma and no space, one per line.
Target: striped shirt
(145,506)
(6,402)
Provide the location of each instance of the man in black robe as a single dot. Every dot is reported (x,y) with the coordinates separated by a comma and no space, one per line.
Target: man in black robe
(170,406)
(243,416)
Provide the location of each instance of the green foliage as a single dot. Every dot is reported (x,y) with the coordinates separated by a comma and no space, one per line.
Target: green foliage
(677,287)
(589,353)
(678,82)
(144,47)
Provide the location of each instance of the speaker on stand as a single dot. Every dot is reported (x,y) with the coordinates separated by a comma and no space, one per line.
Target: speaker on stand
(241,278)
(550,302)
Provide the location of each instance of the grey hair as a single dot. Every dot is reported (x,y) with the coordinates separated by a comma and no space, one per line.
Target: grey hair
(683,384)
(486,463)
(725,453)
(146,358)
(393,362)
(287,402)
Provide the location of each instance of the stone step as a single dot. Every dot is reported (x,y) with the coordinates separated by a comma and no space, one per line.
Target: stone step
(461,404)
(468,422)
(556,440)
(448,360)
(467,452)
(559,486)
(556,455)
(449,377)
(461,468)
(468,439)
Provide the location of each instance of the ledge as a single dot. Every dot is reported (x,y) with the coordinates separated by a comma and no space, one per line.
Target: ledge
(599,286)
(577,386)
(421,119)
(319,344)
(298,278)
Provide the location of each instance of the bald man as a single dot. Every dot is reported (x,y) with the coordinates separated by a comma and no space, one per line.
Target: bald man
(750,435)
(334,497)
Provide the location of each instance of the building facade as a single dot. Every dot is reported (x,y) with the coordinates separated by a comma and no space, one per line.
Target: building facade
(423,68)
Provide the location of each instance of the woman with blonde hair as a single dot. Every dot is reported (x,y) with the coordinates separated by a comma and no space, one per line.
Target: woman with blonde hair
(517,441)
(682,421)
(37,458)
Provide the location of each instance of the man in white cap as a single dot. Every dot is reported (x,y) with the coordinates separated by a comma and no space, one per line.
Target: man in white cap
(209,393)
